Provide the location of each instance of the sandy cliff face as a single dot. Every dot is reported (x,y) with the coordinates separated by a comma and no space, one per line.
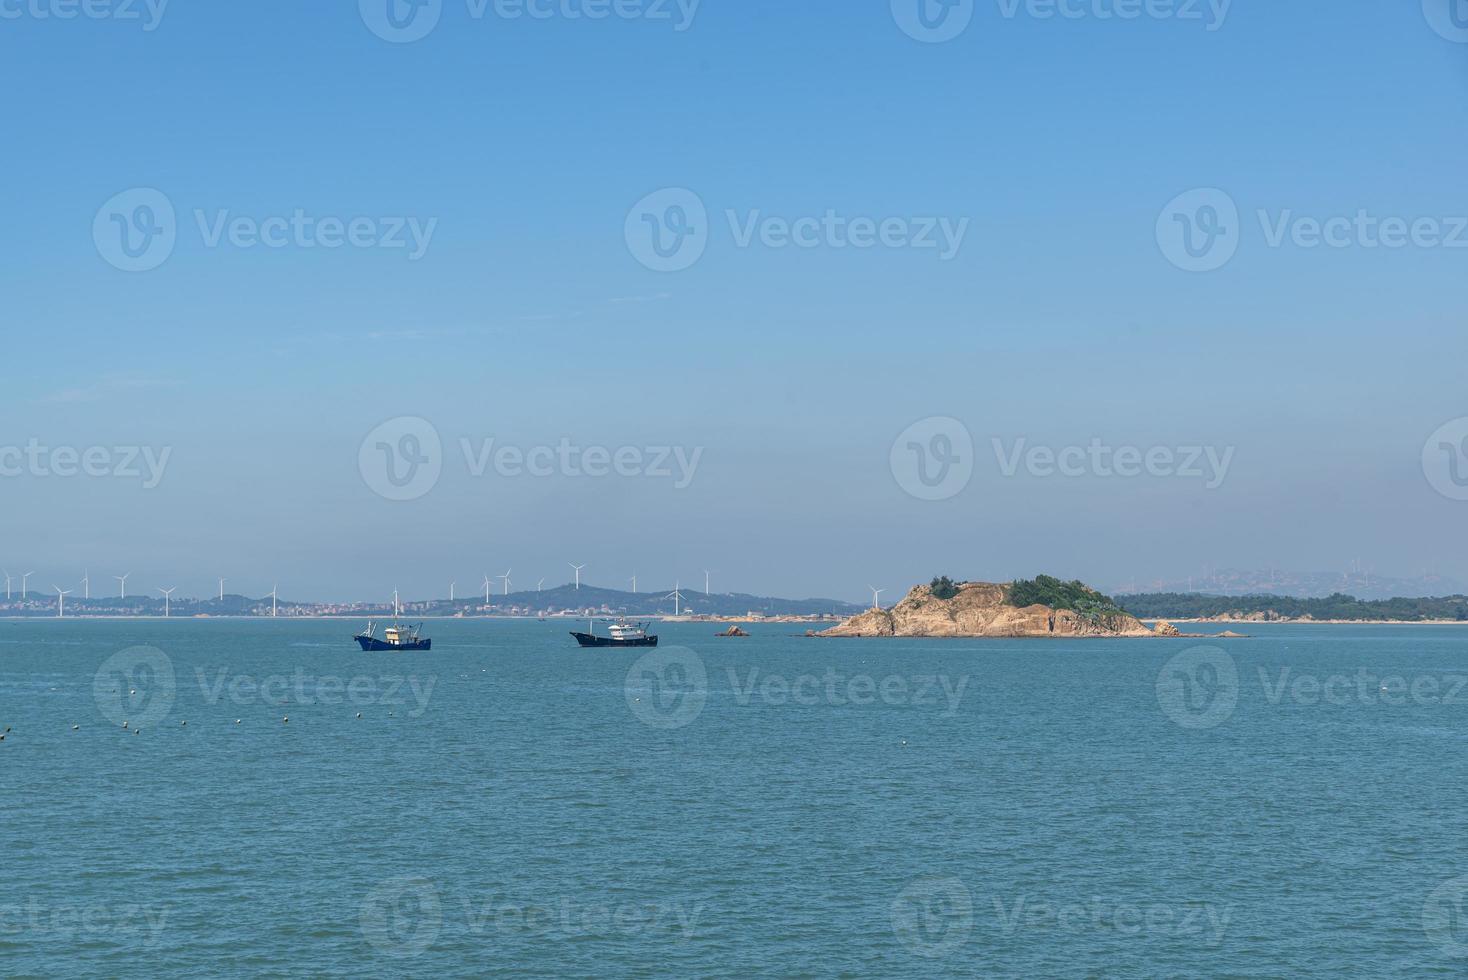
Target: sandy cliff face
(977,610)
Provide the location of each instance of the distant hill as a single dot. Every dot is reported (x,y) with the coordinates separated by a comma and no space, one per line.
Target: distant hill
(1191,605)
(1305,585)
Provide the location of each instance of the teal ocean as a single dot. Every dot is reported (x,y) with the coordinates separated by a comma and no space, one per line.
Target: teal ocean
(510,805)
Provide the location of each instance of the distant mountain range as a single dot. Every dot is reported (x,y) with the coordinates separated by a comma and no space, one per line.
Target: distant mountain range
(1303,585)
(587,600)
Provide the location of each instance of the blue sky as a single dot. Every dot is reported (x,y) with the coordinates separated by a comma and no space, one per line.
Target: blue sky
(528,318)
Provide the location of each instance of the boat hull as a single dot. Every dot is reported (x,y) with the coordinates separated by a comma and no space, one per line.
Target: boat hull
(591,640)
(372,644)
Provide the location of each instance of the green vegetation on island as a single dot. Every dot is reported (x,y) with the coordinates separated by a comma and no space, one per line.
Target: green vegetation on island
(943,587)
(1075,595)
(1188,605)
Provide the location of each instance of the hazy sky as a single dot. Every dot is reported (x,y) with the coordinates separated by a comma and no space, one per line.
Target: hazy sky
(1034,284)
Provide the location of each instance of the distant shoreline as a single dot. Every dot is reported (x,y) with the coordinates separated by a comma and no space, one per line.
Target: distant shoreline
(1314,622)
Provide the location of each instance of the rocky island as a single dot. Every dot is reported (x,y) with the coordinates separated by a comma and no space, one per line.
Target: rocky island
(1044,606)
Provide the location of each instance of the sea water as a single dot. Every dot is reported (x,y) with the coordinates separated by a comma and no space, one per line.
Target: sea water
(509,804)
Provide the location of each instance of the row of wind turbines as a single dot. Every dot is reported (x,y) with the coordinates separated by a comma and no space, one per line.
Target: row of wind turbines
(86,584)
(676,595)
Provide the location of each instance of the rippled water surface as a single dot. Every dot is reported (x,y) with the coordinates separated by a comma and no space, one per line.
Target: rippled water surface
(510,805)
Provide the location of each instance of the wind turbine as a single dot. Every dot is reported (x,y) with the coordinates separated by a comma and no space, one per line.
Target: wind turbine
(875,594)
(578,575)
(677,597)
(451,591)
(506,577)
(221,590)
(274,589)
(167,595)
(7,586)
(539,584)
(396,607)
(706,583)
(23,580)
(86,584)
(61,600)
(123,580)
(486,590)
(634,583)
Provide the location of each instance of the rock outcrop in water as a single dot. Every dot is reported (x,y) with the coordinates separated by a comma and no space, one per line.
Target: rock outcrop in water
(981,609)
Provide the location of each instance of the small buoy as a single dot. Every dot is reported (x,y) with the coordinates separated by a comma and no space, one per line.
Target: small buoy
(76,728)
(389,714)
(133,691)
(286,719)
(136,730)
(124,724)
(359,714)
(904,741)
(183,724)
(2,738)
(236,721)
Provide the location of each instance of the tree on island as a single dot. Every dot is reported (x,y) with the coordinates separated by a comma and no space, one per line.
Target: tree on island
(942,587)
